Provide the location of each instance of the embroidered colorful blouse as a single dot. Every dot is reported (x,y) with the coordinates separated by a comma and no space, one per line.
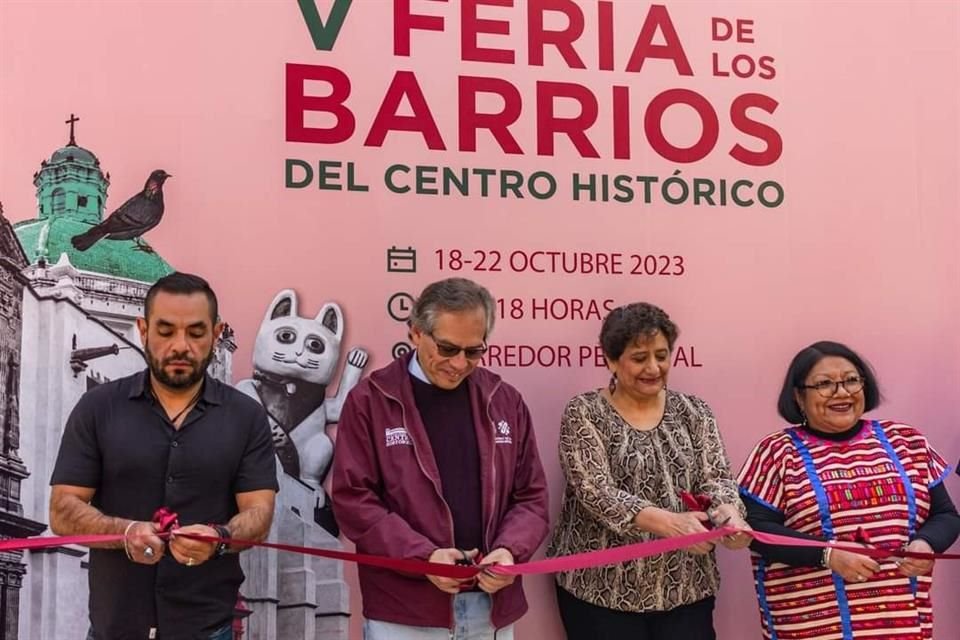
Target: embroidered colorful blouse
(878,482)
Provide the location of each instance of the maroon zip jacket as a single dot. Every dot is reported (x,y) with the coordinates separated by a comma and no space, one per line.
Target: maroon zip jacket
(387,497)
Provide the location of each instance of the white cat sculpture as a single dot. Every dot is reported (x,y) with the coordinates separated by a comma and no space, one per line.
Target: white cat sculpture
(294,360)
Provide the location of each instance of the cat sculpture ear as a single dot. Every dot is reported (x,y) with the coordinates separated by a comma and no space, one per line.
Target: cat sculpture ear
(331,317)
(283,305)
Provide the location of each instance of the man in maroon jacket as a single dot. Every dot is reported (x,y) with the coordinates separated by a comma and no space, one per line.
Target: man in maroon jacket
(436,459)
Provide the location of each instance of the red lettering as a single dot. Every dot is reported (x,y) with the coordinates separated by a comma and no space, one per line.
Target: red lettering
(680,357)
(766,133)
(404,22)
(621,123)
(298,104)
(404,84)
(471,26)
(549,124)
(716,67)
(658,18)
(720,29)
(586,353)
(599,359)
(743,66)
(605,36)
(497,123)
(767,70)
(653,125)
(539,36)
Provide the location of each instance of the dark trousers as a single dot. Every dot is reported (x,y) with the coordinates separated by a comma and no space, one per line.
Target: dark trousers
(585,621)
(223,633)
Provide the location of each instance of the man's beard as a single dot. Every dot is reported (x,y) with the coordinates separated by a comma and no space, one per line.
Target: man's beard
(177,380)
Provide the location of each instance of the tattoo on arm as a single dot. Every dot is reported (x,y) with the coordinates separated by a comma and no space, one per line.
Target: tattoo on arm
(255,517)
(72,514)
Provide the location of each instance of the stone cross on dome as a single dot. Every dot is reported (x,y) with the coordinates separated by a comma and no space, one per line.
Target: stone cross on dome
(71,121)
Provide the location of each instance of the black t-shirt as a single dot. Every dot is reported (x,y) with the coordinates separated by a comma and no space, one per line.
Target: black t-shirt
(119,441)
(448,418)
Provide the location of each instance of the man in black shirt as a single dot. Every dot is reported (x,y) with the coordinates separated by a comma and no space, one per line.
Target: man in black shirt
(171,437)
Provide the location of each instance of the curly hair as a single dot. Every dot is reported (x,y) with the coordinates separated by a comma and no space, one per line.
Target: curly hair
(625,325)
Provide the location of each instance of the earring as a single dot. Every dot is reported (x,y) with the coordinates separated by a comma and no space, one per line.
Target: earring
(613,384)
(804,416)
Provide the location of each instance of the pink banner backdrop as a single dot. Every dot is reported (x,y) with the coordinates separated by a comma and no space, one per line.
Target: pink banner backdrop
(770,173)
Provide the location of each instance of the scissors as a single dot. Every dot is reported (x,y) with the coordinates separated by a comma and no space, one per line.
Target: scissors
(702,502)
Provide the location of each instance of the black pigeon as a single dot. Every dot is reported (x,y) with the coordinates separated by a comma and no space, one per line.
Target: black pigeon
(132,219)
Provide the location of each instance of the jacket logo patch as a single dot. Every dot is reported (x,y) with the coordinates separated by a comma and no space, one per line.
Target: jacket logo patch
(398,435)
(503,433)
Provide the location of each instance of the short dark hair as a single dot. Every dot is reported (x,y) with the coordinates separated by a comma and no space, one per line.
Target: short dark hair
(182,284)
(452,295)
(625,325)
(804,361)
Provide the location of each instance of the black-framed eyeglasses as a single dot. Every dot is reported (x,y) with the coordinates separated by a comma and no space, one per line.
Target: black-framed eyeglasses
(447,350)
(829,388)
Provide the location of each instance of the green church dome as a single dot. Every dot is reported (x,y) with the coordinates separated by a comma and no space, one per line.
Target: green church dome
(47,239)
(72,198)
(73,153)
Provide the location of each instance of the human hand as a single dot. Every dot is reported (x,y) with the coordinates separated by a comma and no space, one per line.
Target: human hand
(142,543)
(852,567)
(668,524)
(189,551)
(450,556)
(493,582)
(729,516)
(913,567)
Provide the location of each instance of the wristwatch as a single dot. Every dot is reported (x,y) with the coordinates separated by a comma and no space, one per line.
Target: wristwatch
(222,532)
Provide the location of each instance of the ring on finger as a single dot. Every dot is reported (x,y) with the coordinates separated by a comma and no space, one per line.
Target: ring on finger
(148,552)
(189,562)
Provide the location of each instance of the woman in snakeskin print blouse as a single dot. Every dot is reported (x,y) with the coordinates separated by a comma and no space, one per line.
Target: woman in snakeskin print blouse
(628,452)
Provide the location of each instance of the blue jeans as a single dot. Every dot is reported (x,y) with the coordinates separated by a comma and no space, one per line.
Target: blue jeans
(223,633)
(471,621)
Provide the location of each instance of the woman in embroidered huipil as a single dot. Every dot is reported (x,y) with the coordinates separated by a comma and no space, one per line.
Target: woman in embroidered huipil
(628,452)
(839,476)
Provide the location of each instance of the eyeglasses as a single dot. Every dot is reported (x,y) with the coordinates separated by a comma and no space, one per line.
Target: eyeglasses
(447,350)
(829,388)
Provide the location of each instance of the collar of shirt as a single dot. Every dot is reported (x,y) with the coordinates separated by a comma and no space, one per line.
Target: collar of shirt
(416,370)
(211,388)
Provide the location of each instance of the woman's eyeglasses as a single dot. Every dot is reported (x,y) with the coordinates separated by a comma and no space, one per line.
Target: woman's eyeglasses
(829,388)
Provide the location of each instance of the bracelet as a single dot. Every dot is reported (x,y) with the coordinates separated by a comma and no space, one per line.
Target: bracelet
(220,548)
(126,532)
(825,558)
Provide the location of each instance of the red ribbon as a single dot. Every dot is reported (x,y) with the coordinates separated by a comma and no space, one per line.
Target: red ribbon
(166,519)
(613,555)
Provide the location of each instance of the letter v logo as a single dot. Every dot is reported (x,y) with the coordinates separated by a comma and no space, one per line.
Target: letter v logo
(324,35)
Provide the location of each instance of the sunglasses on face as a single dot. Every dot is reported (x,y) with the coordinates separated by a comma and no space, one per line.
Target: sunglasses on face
(448,350)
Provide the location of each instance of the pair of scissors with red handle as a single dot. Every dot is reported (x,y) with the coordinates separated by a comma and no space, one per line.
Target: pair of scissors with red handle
(701,502)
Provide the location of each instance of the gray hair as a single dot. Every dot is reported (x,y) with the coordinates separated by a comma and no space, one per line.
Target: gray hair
(451,295)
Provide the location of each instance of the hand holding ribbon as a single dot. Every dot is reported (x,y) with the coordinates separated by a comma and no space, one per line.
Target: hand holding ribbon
(456,557)
(490,581)
(669,524)
(725,515)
